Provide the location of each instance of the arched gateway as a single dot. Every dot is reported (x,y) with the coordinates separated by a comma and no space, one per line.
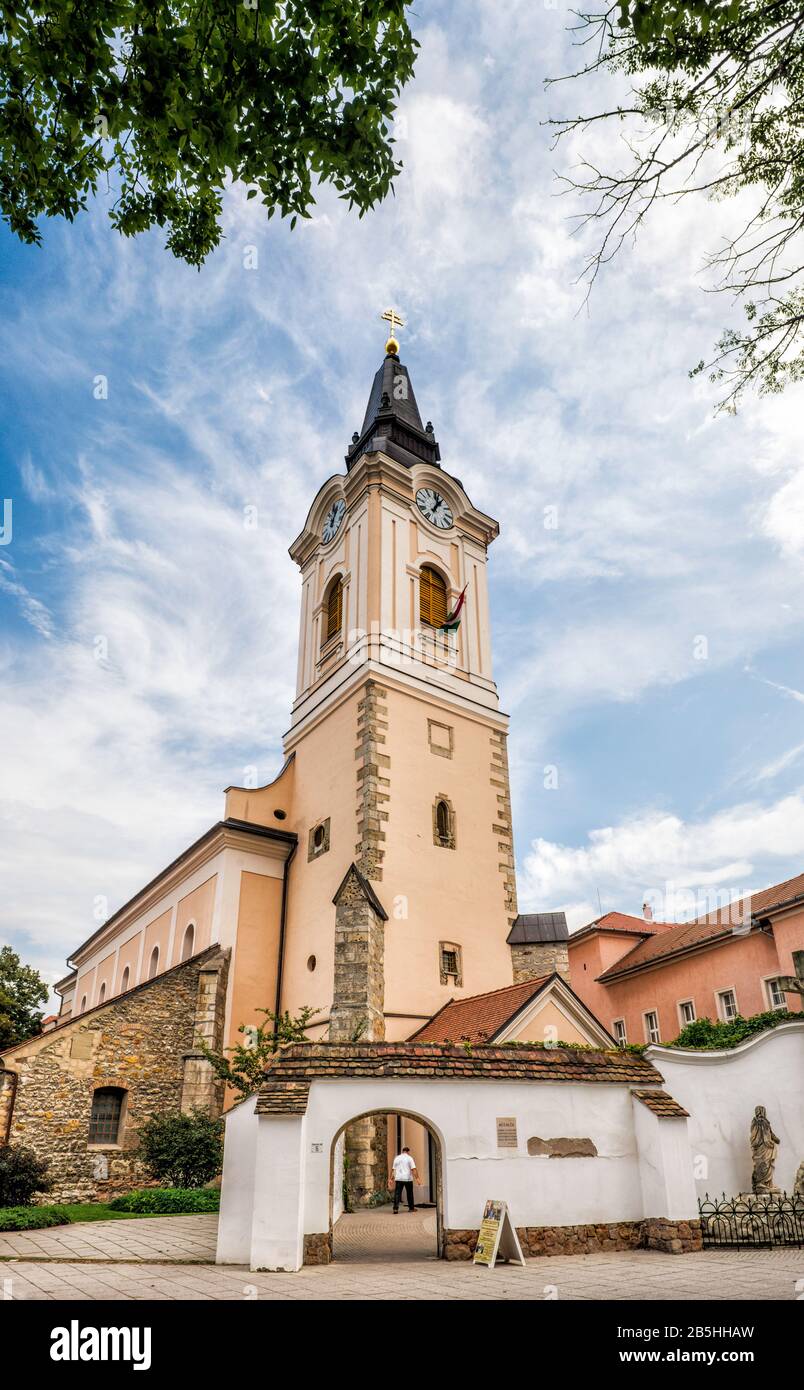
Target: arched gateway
(619,1170)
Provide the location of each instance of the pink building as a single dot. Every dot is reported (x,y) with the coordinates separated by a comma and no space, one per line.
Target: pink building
(646,980)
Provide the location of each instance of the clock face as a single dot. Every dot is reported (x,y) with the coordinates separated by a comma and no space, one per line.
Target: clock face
(435,508)
(332,523)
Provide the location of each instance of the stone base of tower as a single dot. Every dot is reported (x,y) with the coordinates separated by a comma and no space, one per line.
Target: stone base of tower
(366,1160)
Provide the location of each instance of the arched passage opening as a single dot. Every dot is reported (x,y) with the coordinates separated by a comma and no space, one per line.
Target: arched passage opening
(372,1231)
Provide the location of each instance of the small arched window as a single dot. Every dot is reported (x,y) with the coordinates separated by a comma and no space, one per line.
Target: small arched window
(107,1111)
(188,942)
(333,609)
(153,964)
(102,994)
(432,598)
(83,1004)
(443,823)
(125,980)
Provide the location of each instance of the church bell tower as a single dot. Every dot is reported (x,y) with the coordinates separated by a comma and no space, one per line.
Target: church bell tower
(402,892)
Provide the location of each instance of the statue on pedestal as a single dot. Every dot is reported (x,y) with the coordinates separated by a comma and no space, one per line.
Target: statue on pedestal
(764,1147)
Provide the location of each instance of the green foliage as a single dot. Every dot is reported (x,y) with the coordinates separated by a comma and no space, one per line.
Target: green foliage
(167,1201)
(164,101)
(22,1173)
(707,1036)
(244,1068)
(32,1218)
(715,110)
(22,990)
(182,1150)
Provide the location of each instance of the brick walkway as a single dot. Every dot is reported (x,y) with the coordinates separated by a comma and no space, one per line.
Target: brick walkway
(378,1256)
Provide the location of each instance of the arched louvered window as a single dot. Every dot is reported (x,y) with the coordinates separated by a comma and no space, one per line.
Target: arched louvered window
(432,598)
(442,820)
(107,1110)
(333,609)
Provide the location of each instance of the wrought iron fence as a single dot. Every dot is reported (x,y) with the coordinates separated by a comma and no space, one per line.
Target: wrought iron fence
(755,1222)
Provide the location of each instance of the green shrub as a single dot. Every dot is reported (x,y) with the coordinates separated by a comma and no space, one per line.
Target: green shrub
(182,1150)
(32,1218)
(168,1201)
(705,1036)
(22,1174)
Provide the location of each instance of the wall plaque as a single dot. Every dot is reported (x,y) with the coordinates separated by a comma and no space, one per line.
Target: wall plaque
(506,1134)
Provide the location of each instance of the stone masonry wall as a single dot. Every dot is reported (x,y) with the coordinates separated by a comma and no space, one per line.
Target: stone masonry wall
(358,1010)
(140,1042)
(503,826)
(542,958)
(671,1237)
(373,780)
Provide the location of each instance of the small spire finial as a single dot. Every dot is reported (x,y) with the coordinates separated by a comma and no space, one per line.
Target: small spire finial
(392,317)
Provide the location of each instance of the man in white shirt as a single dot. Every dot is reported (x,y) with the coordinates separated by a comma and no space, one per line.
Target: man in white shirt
(403,1172)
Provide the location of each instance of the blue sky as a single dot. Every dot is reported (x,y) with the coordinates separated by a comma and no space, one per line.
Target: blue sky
(148,639)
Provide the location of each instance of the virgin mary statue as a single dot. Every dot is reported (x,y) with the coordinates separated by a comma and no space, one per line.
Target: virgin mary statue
(764,1146)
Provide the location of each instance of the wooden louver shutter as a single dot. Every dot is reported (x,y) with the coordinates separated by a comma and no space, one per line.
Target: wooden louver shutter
(433,598)
(334,609)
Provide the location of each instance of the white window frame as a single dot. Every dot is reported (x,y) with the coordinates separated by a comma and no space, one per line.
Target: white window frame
(617,1023)
(651,1013)
(682,1003)
(721,1011)
(769,981)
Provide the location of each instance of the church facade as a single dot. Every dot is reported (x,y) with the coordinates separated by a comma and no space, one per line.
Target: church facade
(373,879)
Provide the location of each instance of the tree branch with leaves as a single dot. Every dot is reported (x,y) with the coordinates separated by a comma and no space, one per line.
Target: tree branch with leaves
(716,110)
(167,101)
(242,1066)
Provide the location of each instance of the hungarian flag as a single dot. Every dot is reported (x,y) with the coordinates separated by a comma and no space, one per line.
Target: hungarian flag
(453,619)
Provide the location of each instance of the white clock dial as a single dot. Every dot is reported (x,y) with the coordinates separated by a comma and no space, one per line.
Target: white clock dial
(435,508)
(332,523)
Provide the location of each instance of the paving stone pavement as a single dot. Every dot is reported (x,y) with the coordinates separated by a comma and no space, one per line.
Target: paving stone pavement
(378,1257)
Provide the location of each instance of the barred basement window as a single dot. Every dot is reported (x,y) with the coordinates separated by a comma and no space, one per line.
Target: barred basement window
(432,598)
(450,963)
(107,1110)
(334,610)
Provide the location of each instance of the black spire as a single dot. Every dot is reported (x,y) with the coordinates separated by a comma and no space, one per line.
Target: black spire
(393,416)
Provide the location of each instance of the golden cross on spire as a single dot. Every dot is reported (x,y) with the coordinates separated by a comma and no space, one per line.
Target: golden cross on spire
(392,317)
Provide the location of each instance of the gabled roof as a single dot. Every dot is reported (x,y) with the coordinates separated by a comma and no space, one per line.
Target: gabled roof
(537,927)
(478,1017)
(353,875)
(485,1018)
(716,926)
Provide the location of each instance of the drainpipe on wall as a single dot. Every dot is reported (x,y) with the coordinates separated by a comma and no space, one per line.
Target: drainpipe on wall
(282,921)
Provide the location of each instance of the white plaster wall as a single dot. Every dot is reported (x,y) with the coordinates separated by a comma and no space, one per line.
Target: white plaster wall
(721,1091)
(237,1187)
(540,1191)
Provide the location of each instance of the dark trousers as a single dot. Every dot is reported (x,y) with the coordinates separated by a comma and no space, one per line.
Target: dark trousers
(408,1189)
